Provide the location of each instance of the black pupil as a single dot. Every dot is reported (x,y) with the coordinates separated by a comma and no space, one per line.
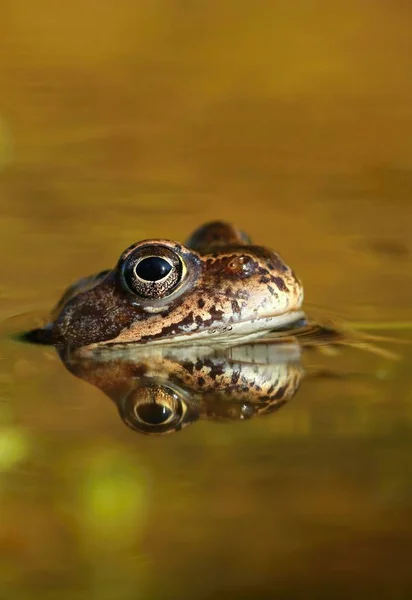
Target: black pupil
(153,268)
(154,414)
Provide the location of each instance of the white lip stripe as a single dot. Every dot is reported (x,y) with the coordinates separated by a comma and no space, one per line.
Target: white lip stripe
(226,334)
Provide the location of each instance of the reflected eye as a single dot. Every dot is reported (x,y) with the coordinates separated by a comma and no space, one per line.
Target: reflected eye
(153,271)
(155,408)
(153,414)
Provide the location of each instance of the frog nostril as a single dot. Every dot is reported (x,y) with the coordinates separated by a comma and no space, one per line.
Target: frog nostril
(242,266)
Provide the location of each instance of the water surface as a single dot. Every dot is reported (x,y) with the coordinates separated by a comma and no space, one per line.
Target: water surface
(144,120)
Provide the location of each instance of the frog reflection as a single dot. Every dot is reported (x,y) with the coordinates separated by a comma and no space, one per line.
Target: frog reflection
(160,391)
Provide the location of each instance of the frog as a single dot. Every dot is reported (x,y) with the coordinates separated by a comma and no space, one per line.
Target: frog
(217,288)
(162,389)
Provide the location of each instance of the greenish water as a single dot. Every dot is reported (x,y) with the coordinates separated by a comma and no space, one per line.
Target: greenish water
(144,120)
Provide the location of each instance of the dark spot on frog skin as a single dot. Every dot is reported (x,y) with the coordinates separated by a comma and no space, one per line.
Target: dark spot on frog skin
(201,303)
(235,377)
(188,366)
(235,307)
(215,315)
(280,284)
(140,370)
(280,393)
(216,368)
(271,390)
(171,329)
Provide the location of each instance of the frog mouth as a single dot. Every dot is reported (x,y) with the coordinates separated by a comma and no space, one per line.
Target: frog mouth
(221,334)
(239,332)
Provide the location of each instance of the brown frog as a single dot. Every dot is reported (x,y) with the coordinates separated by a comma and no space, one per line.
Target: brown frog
(162,389)
(217,288)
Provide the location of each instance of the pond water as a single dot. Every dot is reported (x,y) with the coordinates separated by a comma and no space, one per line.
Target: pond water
(145,119)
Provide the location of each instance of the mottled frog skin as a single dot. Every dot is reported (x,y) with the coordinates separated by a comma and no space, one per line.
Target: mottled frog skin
(217,288)
(162,389)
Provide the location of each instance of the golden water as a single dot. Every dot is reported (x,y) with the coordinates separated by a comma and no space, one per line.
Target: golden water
(132,119)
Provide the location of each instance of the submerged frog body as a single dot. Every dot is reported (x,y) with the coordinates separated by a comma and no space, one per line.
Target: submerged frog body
(218,288)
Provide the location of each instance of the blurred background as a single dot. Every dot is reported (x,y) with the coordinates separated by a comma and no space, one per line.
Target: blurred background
(133,119)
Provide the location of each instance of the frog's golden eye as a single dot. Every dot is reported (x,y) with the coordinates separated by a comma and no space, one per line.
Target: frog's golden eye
(153,271)
(153,407)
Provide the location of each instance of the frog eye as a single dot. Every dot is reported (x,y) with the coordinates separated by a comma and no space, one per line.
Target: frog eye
(154,408)
(153,271)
